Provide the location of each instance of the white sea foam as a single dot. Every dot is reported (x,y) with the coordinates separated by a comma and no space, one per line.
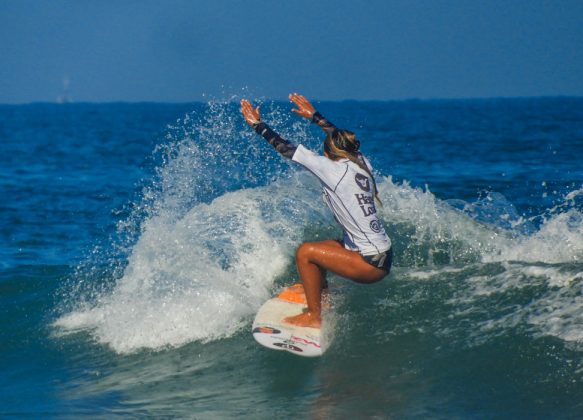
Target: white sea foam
(206,256)
(547,257)
(555,308)
(559,239)
(202,276)
(430,274)
(210,245)
(560,314)
(434,228)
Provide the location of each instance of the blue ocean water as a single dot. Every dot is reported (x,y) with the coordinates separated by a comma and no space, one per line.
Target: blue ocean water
(138,240)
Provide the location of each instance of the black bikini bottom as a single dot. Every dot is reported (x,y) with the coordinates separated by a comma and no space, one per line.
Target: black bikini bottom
(384,260)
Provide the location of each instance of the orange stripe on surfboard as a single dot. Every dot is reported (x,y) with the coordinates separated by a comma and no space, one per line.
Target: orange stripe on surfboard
(294,294)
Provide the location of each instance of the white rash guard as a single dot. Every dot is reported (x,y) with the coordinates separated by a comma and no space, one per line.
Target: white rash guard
(348,191)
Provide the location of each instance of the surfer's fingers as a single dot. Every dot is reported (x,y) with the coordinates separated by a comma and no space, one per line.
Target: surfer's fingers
(293,98)
(297,99)
(247,108)
(245,105)
(304,108)
(251,115)
(301,99)
(303,103)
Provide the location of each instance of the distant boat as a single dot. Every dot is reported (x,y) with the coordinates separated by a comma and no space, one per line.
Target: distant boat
(65,98)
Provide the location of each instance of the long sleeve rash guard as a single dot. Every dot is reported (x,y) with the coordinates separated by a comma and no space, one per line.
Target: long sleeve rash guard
(347,190)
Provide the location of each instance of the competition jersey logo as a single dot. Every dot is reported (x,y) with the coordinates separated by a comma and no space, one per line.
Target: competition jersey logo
(375,226)
(366,204)
(362,182)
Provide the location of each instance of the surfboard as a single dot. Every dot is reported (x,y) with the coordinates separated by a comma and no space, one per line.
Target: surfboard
(271,332)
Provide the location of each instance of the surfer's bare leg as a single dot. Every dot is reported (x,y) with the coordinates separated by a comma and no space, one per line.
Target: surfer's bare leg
(313,259)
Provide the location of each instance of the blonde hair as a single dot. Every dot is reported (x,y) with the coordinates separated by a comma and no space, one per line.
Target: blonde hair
(344,144)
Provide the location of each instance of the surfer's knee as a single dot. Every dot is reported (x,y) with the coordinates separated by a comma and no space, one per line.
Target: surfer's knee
(305,251)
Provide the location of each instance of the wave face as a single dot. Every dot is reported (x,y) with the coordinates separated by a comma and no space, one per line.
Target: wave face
(225,214)
(138,254)
(201,276)
(211,241)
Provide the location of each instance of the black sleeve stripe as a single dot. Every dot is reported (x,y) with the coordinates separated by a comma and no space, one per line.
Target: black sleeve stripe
(284,147)
(324,124)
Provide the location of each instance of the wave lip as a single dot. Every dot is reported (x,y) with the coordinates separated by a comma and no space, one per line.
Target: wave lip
(430,231)
(202,276)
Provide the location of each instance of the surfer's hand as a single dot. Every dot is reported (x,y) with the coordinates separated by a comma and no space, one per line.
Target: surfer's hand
(251,114)
(305,108)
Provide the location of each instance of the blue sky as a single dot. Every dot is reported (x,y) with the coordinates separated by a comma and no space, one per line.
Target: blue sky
(176,51)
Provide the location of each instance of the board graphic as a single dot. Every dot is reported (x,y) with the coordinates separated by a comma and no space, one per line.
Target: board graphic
(269,330)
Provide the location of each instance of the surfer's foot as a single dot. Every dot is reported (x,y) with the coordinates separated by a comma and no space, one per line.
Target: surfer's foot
(305,319)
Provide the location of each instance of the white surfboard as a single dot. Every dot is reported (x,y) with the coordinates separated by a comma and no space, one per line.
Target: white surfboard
(271,332)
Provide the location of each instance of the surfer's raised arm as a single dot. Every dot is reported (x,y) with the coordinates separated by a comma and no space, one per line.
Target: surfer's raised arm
(306,109)
(253,118)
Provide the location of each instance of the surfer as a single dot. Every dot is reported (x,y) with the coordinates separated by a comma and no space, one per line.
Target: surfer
(349,189)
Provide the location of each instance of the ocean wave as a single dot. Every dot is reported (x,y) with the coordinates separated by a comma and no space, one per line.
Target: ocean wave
(216,231)
(202,276)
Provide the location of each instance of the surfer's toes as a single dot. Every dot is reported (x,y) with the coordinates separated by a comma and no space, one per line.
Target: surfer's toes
(306,319)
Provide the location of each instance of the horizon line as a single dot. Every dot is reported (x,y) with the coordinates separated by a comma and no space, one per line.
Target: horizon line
(236,98)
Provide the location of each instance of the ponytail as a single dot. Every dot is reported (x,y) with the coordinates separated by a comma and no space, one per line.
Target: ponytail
(344,144)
